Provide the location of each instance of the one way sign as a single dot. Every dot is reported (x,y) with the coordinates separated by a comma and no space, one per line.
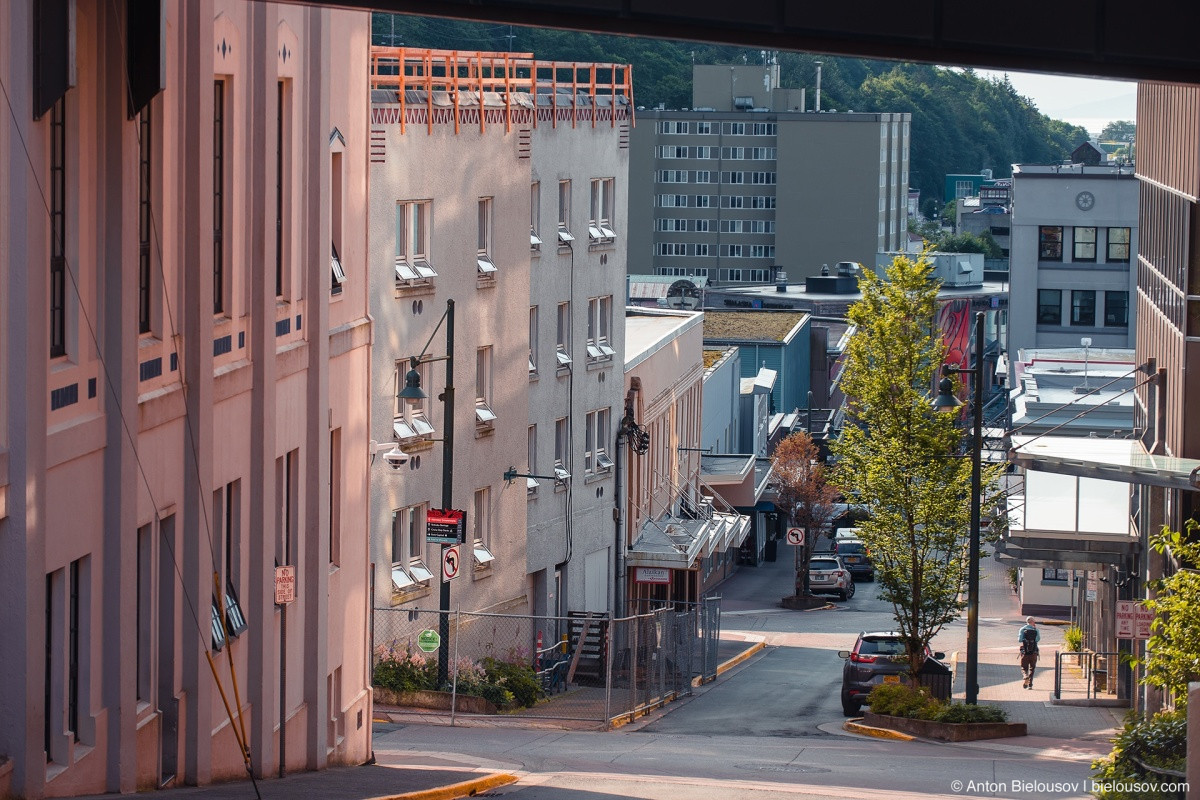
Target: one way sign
(450,563)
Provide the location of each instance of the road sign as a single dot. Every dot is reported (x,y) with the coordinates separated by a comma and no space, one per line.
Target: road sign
(451,563)
(445,525)
(1133,620)
(795,535)
(285,585)
(428,641)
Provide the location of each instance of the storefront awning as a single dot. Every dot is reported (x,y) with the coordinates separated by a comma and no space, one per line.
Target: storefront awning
(1122,460)
(679,543)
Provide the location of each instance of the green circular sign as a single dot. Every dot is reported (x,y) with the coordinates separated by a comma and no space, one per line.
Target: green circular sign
(428,641)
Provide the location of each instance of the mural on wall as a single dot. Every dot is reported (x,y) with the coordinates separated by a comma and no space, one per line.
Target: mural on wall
(954,321)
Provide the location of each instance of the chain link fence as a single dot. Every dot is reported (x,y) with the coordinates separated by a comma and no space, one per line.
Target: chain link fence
(582,667)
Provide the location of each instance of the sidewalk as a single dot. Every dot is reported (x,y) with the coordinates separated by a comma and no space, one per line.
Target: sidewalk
(1069,731)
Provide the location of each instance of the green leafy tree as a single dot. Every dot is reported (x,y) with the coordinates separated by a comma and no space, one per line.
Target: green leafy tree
(970,243)
(804,494)
(896,453)
(1173,651)
(1119,130)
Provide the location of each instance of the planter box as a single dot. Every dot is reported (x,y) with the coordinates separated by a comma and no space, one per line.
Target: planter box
(946,731)
(438,701)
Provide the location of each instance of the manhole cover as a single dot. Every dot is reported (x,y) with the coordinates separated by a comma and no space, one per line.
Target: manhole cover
(780,768)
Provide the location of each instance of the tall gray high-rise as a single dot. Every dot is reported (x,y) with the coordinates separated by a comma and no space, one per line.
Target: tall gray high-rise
(748,182)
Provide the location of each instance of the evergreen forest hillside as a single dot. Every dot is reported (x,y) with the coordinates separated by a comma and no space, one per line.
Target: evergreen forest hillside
(961,123)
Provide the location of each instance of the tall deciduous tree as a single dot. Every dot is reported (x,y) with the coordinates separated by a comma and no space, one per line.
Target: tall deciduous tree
(896,454)
(804,494)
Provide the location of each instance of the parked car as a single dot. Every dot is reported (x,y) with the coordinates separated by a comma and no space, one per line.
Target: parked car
(828,574)
(857,558)
(828,544)
(879,657)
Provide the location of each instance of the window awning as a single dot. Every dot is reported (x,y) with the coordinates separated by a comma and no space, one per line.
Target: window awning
(679,543)
(1122,460)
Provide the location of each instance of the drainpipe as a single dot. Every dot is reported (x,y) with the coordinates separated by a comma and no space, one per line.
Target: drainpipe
(619,519)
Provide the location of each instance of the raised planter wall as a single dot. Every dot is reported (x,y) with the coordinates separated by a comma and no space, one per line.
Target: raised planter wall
(946,731)
(438,701)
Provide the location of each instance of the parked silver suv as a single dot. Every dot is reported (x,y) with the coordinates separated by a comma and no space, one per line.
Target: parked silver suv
(828,574)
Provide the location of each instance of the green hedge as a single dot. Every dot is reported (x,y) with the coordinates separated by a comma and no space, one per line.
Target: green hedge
(1157,741)
(902,700)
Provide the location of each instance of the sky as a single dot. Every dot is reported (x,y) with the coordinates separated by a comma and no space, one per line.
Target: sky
(1089,102)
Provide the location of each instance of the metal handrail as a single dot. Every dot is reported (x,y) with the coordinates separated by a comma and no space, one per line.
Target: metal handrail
(1088,660)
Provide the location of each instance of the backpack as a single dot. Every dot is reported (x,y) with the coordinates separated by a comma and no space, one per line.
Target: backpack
(1029,642)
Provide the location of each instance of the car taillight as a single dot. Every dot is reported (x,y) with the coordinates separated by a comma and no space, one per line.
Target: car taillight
(861,659)
(841,574)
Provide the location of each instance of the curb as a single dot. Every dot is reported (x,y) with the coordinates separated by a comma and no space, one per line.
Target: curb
(733,662)
(878,733)
(455,790)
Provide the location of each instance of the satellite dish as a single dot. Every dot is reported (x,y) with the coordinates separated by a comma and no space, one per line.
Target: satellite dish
(684,295)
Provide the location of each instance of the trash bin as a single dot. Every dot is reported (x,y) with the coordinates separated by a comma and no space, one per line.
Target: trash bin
(936,677)
(771,549)
(1100,681)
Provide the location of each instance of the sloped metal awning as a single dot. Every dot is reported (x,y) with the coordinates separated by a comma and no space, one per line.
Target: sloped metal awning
(1123,460)
(679,543)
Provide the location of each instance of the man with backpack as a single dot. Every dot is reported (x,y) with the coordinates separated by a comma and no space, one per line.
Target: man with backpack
(1028,638)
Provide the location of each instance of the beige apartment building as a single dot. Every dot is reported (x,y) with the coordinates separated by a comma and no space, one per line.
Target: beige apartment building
(184,350)
(751,182)
(497,184)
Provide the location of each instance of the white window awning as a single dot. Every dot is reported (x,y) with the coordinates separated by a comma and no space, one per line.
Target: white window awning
(405,273)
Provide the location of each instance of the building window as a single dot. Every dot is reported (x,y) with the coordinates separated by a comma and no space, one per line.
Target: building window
(563,336)
(1118,245)
(1049,306)
(535,216)
(220,278)
(58,229)
(1050,243)
(961,188)
(283,132)
(531,484)
(600,223)
(484,416)
(704,201)
(1083,307)
(408,549)
(482,529)
(335,497)
(564,212)
(1116,309)
(599,325)
(145,606)
(701,248)
(562,446)
(483,258)
(705,152)
(1052,574)
(337,268)
(533,338)
(412,241)
(672,249)
(595,456)
(1085,244)
(145,258)
(703,225)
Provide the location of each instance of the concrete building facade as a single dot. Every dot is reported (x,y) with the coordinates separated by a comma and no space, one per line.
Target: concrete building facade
(746,183)
(1074,236)
(514,209)
(183,407)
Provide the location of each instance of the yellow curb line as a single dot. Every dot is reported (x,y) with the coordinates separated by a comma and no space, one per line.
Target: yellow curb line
(878,733)
(1061,622)
(454,790)
(733,662)
(625,719)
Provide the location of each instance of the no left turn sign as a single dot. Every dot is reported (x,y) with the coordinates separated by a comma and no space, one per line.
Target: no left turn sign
(451,563)
(795,535)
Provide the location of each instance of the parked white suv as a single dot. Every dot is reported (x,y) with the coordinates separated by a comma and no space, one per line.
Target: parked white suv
(826,573)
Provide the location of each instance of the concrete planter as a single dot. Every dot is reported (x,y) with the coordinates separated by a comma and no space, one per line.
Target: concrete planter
(946,731)
(438,701)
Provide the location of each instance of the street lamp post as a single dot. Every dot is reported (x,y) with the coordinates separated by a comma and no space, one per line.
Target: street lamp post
(413,393)
(947,400)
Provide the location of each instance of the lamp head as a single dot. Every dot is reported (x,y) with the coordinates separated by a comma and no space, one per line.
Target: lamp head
(412,392)
(945,400)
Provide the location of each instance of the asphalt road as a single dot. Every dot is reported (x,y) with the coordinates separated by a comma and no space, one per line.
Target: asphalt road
(770,727)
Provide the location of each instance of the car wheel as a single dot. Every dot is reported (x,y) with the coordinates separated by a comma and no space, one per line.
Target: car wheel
(849,591)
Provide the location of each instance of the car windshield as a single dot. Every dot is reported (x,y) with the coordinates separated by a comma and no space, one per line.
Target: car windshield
(822,564)
(882,647)
(851,547)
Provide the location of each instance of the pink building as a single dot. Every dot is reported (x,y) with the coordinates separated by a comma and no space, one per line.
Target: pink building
(678,536)
(183,373)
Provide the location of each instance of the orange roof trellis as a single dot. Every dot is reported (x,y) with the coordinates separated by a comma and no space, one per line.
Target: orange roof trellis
(508,83)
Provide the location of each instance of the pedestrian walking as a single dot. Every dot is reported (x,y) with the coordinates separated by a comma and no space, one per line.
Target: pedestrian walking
(1028,638)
